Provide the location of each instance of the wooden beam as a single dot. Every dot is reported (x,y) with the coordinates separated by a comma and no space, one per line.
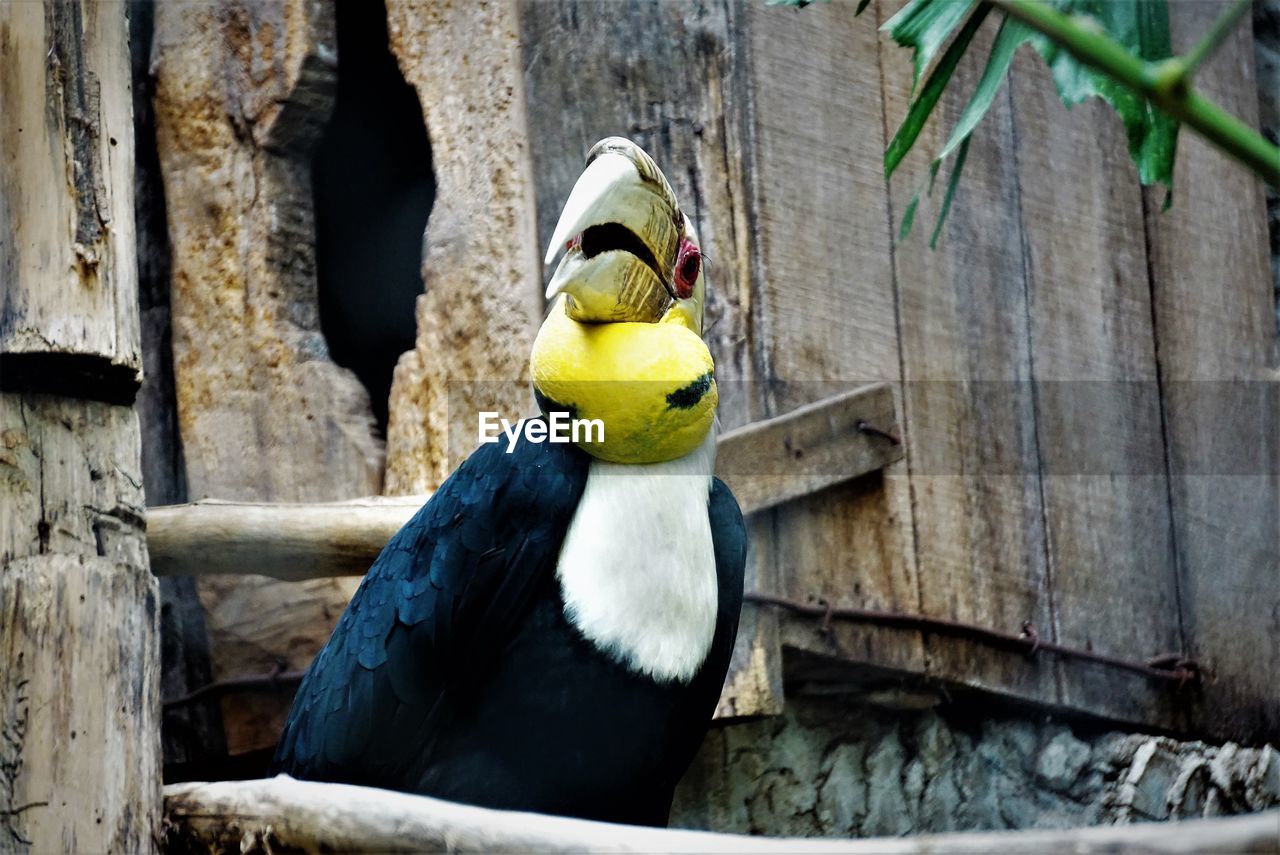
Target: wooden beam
(810,448)
(284,814)
(766,463)
(287,541)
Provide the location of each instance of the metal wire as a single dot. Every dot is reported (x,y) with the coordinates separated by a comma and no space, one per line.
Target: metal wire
(1168,667)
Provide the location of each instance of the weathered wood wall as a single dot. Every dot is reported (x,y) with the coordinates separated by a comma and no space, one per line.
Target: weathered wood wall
(79,664)
(1059,471)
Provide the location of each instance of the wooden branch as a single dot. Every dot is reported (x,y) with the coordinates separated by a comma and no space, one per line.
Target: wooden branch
(287,541)
(282,814)
(765,463)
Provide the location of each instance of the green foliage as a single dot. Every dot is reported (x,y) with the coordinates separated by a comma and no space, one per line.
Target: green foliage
(926,26)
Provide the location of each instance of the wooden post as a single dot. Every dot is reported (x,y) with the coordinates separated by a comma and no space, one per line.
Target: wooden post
(79,740)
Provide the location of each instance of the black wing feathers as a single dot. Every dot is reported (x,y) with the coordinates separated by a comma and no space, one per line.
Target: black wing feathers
(436,607)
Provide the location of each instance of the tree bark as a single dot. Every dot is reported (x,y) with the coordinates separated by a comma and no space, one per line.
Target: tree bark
(79,736)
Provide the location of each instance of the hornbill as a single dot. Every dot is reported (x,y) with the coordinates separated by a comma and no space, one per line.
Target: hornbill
(551,631)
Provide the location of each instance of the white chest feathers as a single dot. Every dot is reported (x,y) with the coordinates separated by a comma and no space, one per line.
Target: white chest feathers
(637,569)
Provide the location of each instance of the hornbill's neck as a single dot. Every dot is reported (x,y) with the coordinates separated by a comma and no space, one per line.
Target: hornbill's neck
(637,568)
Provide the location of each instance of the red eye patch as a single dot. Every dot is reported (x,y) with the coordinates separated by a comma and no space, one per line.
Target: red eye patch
(688,264)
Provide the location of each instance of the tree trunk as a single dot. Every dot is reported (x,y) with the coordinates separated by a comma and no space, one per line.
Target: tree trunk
(79,741)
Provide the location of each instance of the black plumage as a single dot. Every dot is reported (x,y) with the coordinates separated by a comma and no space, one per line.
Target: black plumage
(455,673)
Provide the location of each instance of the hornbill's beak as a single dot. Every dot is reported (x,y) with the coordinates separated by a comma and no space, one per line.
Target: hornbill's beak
(620,231)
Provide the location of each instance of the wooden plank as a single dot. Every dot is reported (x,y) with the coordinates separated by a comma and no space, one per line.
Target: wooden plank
(1216,345)
(809,449)
(968,413)
(289,814)
(1097,398)
(823,313)
(482,306)
(241,91)
(309,540)
(69,318)
(672,76)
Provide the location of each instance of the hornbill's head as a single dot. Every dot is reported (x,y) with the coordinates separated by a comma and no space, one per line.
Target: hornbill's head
(622,342)
(629,251)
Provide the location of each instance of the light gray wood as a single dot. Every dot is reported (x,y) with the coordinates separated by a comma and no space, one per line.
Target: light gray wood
(969,417)
(813,447)
(284,814)
(69,318)
(240,93)
(79,697)
(482,306)
(823,308)
(287,541)
(1100,446)
(79,670)
(1217,349)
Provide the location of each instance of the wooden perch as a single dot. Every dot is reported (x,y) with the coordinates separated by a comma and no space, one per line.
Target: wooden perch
(282,814)
(766,463)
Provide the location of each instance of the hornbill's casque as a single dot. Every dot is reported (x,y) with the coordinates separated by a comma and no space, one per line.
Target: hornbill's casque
(551,631)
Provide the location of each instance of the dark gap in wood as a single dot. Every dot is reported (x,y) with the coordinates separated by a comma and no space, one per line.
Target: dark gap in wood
(1036,414)
(373,188)
(1178,561)
(904,424)
(86,376)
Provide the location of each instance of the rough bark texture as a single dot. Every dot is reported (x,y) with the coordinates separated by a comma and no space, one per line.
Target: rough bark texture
(836,766)
(66,202)
(241,91)
(79,736)
(482,305)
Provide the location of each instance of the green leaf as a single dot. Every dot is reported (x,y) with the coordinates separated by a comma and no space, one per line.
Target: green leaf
(1012,35)
(961,155)
(909,216)
(1142,26)
(926,25)
(923,104)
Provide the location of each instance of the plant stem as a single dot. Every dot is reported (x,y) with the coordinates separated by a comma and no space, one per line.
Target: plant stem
(1220,30)
(1162,84)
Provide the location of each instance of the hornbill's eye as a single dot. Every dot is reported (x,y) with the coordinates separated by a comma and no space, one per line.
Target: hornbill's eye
(688,263)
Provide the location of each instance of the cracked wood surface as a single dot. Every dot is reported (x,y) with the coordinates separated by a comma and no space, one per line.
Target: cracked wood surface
(69,320)
(79,670)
